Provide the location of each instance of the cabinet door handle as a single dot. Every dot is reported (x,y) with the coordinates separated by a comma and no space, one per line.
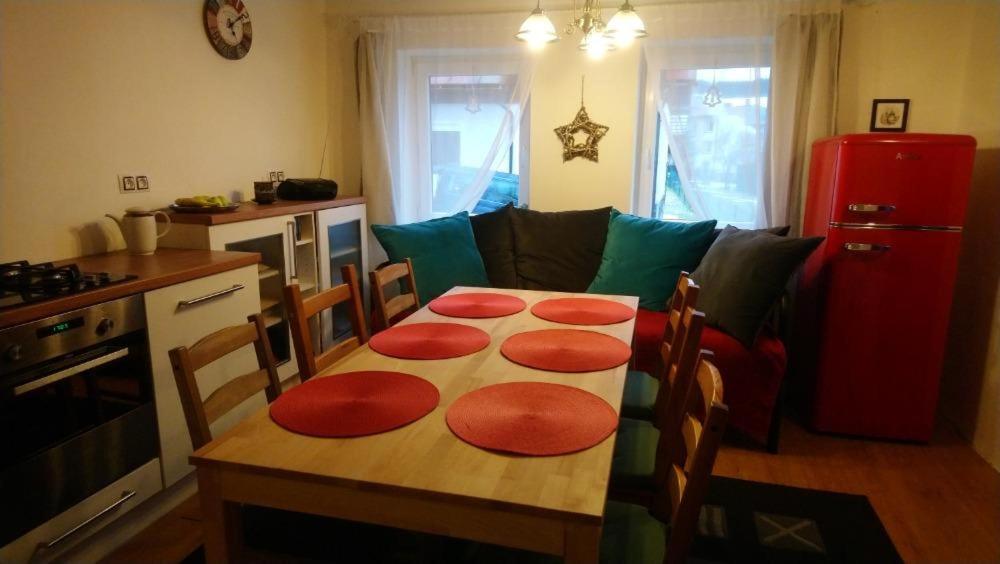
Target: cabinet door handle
(871,208)
(207,297)
(126,495)
(291,246)
(866,247)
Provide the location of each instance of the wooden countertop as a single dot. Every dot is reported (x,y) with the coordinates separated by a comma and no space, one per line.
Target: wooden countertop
(164,268)
(251,210)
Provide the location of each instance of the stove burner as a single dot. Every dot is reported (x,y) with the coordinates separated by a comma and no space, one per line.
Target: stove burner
(23,283)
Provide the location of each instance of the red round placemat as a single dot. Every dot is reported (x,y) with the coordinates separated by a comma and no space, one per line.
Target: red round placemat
(477,305)
(533,418)
(566,350)
(354,404)
(583,311)
(429,341)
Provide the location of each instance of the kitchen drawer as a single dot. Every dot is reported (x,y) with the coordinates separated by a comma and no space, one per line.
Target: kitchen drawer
(172,325)
(144,481)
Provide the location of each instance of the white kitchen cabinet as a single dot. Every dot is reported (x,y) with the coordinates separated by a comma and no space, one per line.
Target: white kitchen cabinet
(216,301)
(342,235)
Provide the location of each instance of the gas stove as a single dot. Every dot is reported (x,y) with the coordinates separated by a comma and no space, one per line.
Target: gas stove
(22,283)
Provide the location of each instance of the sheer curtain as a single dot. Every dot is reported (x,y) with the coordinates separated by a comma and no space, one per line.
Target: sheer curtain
(450,91)
(727,125)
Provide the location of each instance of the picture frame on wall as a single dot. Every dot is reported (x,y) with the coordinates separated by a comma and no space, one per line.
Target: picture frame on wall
(889,114)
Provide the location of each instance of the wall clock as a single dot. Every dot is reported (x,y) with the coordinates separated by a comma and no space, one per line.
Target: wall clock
(227,23)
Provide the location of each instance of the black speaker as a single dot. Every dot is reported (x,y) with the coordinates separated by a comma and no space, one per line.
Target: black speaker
(307,189)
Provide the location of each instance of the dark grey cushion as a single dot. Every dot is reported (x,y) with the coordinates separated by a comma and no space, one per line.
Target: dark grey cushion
(743,273)
(558,251)
(495,239)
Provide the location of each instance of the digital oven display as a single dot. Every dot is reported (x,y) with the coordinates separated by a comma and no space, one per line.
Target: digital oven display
(60,327)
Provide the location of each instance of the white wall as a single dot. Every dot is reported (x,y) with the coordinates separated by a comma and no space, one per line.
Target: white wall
(945,57)
(90,90)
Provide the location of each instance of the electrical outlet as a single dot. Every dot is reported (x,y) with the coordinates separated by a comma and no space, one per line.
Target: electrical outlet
(272,176)
(281,175)
(126,184)
(142,183)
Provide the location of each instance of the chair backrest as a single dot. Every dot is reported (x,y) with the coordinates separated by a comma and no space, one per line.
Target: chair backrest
(685,295)
(680,372)
(684,478)
(384,310)
(186,361)
(300,310)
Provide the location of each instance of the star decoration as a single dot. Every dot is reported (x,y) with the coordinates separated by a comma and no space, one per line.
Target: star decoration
(587,149)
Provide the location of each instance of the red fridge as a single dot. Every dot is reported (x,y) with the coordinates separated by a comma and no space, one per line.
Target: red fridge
(875,298)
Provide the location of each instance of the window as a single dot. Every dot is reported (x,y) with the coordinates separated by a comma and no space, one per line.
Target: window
(465,114)
(705,132)
(461,146)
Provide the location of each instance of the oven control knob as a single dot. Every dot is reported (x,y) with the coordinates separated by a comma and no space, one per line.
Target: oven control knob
(105,326)
(13,353)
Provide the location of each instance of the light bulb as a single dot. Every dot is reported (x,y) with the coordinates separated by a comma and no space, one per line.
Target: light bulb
(596,44)
(537,30)
(625,26)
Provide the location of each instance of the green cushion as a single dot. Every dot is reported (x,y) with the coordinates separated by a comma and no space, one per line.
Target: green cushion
(644,257)
(640,395)
(631,535)
(743,275)
(635,455)
(443,252)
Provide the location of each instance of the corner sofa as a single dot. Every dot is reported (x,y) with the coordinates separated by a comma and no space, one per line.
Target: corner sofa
(562,251)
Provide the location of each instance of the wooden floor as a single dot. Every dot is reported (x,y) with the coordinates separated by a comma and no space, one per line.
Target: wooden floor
(939,502)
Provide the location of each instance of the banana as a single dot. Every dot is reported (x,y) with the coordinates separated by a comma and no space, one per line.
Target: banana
(203,201)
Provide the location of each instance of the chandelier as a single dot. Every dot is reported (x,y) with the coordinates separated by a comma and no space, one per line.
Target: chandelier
(598,37)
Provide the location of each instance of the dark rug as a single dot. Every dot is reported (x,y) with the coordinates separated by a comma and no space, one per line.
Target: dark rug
(745,521)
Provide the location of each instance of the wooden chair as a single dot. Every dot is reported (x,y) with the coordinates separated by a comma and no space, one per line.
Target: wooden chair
(644,391)
(385,310)
(187,361)
(300,310)
(641,442)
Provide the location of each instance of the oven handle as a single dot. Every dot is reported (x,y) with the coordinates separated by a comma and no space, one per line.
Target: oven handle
(194,301)
(71,371)
(126,495)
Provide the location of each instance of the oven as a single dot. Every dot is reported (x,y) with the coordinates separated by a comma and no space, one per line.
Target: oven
(76,412)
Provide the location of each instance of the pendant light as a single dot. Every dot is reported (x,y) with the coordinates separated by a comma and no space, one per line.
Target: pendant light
(537,30)
(625,26)
(598,38)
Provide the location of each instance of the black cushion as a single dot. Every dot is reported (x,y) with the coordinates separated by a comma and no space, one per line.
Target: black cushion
(558,251)
(743,274)
(495,239)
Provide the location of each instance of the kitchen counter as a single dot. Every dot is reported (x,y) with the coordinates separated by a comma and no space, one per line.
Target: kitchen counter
(251,210)
(164,268)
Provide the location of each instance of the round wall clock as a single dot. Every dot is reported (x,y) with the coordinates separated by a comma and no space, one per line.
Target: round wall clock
(227,23)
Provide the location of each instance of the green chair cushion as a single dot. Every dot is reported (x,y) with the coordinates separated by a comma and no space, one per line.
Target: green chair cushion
(443,252)
(644,257)
(631,535)
(635,455)
(640,395)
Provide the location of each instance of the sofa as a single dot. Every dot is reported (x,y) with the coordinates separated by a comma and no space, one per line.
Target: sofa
(562,251)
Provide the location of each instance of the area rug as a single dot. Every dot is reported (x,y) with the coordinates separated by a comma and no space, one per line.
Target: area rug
(743,521)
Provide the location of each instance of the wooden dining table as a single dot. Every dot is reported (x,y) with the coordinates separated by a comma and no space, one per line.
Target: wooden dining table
(421,477)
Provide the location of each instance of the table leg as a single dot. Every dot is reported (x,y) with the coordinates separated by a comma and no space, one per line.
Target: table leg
(220,520)
(583,544)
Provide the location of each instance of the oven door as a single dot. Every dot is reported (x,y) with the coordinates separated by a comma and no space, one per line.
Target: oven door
(71,426)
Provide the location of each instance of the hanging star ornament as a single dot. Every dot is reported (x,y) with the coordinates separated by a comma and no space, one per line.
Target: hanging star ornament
(567,134)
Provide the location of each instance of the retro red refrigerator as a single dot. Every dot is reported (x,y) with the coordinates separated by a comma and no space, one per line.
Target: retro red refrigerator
(876,296)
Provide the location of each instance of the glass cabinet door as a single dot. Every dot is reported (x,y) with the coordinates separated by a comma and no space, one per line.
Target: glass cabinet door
(345,241)
(271,272)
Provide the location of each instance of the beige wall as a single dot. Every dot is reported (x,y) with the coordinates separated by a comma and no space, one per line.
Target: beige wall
(90,90)
(945,57)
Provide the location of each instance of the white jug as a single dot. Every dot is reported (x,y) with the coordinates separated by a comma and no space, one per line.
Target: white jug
(139,229)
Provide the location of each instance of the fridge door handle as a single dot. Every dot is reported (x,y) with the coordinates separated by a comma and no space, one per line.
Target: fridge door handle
(871,208)
(866,247)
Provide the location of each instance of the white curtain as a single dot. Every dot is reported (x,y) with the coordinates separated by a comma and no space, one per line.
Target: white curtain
(450,91)
(719,74)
